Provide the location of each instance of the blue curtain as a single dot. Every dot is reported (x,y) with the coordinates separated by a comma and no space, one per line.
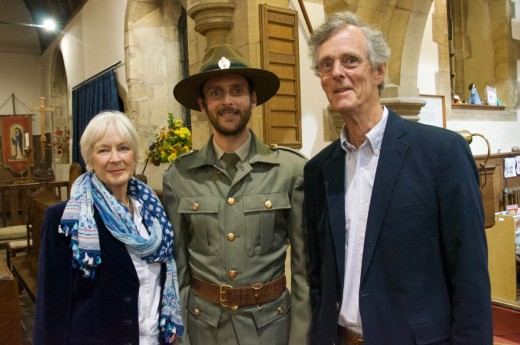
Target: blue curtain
(89,99)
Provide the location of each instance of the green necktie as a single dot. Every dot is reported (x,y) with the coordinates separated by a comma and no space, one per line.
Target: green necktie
(231,160)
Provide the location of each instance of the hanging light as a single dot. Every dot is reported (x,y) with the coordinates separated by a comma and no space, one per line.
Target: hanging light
(48,24)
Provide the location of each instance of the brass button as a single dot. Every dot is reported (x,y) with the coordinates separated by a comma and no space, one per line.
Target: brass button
(232,274)
(280,310)
(268,204)
(195,206)
(196,311)
(233,308)
(231,201)
(230,236)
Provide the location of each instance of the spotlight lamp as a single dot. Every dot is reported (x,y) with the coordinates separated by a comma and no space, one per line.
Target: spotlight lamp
(48,24)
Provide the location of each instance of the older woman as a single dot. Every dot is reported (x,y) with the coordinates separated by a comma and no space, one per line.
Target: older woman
(107,273)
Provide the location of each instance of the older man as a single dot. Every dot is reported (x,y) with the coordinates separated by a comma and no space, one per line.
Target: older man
(395,218)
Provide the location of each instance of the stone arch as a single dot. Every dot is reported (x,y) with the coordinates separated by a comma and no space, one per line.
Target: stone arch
(153,64)
(61,117)
(405,33)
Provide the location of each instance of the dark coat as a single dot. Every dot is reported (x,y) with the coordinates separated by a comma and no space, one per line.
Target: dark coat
(71,309)
(424,277)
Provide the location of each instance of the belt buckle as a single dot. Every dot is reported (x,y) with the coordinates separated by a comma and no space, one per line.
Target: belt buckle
(223,291)
(359,341)
(223,296)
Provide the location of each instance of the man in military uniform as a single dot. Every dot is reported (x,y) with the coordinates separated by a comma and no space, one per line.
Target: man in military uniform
(235,206)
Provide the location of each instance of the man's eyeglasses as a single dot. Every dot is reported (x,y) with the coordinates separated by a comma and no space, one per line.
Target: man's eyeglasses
(347,61)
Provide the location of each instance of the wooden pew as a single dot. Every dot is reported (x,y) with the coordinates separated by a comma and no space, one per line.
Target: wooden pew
(25,268)
(10,315)
(502,263)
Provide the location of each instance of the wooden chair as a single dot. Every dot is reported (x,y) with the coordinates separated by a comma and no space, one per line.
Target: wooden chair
(23,244)
(25,268)
(17,230)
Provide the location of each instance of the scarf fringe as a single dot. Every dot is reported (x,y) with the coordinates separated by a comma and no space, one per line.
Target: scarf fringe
(170,330)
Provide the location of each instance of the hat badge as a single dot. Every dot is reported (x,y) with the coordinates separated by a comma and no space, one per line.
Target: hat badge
(224,63)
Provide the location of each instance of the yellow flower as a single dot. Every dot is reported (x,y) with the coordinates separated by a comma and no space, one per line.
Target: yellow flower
(170,142)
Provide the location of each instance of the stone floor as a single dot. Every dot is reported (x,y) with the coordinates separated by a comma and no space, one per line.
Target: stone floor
(27,310)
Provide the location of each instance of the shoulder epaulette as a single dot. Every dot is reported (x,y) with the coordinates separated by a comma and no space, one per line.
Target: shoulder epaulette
(190,152)
(274,147)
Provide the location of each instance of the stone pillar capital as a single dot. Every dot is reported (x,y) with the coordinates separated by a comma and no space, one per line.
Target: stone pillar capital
(213,19)
(408,107)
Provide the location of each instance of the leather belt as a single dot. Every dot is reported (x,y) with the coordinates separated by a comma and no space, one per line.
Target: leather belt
(348,337)
(232,297)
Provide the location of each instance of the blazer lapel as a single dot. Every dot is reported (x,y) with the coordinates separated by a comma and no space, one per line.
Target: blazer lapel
(393,152)
(334,173)
(114,250)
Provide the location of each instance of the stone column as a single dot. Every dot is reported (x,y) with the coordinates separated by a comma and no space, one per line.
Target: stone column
(213,19)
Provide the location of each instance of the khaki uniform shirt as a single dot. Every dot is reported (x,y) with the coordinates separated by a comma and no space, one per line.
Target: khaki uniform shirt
(237,233)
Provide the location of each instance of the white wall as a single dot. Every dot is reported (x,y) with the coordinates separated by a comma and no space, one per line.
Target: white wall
(313,99)
(428,60)
(19,74)
(19,61)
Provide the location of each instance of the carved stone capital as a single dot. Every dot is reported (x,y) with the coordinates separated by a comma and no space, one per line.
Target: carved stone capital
(213,19)
(408,107)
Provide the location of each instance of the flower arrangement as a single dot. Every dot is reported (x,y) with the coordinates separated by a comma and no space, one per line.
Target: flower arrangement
(170,142)
(61,140)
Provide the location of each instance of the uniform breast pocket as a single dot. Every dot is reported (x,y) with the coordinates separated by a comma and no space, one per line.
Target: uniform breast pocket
(266,221)
(202,215)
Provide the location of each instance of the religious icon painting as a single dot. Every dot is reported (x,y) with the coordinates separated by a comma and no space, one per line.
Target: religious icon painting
(16,142)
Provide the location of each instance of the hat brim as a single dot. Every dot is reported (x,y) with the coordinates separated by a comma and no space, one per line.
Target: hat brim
(187,91)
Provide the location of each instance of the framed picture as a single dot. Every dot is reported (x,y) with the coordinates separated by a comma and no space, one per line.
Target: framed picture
(16,136)
(434,111)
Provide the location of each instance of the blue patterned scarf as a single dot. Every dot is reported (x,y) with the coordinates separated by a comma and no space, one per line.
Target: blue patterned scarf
(78,222)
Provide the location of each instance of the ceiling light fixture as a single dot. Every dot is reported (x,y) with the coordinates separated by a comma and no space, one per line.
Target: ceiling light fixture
(48,24)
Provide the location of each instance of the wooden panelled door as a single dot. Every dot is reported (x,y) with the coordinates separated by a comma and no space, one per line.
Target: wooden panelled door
(280,55)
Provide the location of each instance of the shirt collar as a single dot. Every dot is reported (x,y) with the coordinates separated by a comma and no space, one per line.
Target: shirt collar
(374,136)
(242,151)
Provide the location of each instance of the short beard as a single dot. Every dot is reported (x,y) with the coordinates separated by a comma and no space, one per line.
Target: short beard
(244,120)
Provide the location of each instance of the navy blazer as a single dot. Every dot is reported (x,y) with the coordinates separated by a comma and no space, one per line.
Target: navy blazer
(424,277)
(71,309)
